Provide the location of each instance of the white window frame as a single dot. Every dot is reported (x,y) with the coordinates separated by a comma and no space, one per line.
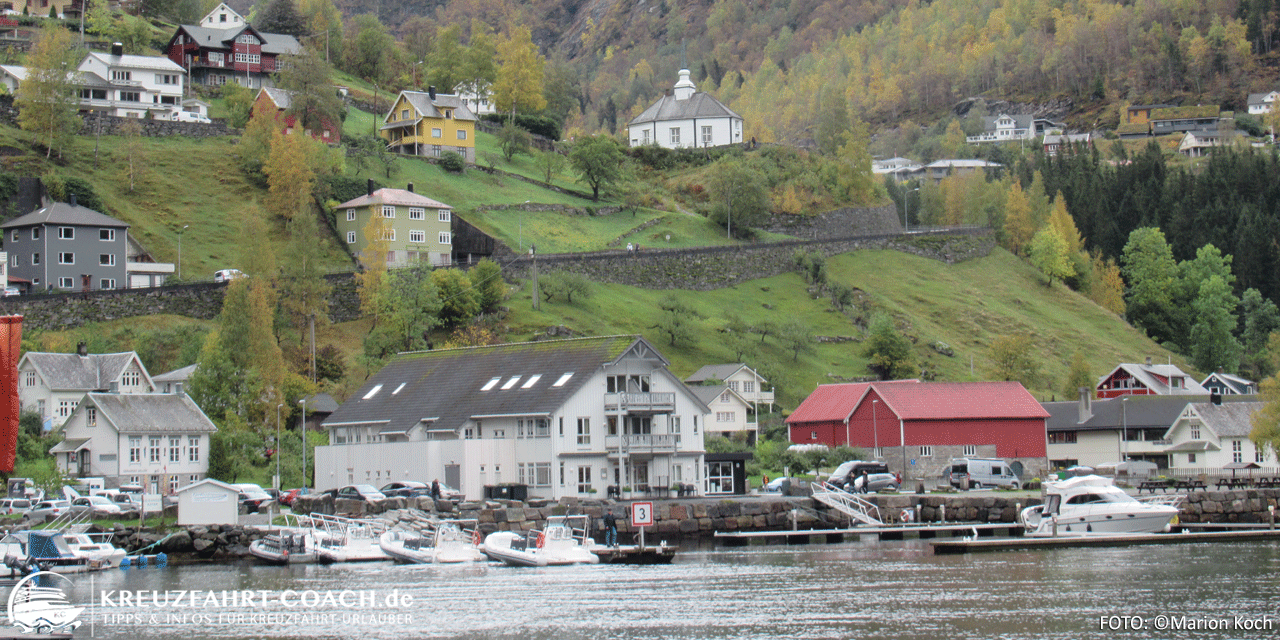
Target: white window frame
(417,235)
(417,213)
(707,135)
(584,431)
(351,237)
(437,132)
(675,135)
(107,283)
(462,134)
(107,235)
(444,215)
(970,450)
(66,257)
(135,449)
(446,237)
(388,211)
(926,451)
(106,259)
(351,215)
(64,233)
(66,283)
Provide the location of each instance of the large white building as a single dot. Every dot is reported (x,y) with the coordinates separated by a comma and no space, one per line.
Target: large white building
(1211,436)
(564,417)
(130,86)
(159,441)
(52,384)
(687,118)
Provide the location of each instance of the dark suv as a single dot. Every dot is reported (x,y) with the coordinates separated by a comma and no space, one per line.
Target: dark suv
(877,473)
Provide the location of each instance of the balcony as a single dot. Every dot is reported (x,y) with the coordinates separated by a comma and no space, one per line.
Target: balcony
(644,442)
(640,402)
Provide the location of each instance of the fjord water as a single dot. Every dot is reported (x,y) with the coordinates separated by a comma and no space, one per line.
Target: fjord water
(850,590)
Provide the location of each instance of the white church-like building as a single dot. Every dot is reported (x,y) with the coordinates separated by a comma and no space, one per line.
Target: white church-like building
(686,118)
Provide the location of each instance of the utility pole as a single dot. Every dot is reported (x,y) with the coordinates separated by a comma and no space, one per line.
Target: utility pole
(533,253)
(303,432)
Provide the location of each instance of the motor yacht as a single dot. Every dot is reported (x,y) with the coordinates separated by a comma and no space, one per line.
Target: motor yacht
(1093,505)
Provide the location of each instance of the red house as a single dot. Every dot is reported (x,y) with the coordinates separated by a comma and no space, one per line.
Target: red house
(1148,380)
(939,420)
(279,100)
(224,48)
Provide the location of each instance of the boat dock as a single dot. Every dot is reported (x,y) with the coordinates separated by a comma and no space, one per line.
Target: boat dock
(1011,544)
(635,554)
(882,532)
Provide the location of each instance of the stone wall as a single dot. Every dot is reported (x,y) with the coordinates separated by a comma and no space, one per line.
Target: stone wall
(838,223)
(110,126)
(708,268)
(1246,505)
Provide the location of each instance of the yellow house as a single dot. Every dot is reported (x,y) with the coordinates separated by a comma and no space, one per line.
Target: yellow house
(428,124)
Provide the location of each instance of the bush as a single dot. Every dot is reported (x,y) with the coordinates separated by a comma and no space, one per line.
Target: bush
(344,188)
(452,162)
(537,125)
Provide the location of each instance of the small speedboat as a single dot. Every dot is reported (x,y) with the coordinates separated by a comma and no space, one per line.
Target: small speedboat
(447,541)
(43,550)
(360,544)
(1092,505)
(566,540)
(95,547)
(288,546)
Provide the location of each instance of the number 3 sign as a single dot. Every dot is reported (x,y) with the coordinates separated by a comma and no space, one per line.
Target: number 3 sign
(642,514)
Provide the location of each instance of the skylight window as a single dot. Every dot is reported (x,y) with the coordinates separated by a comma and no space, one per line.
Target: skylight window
(563,379)
(533,379)
(398,389)
(373,392)
(490,384)
(511,383)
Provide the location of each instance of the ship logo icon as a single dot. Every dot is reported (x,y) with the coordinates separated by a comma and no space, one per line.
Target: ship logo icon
(36,606)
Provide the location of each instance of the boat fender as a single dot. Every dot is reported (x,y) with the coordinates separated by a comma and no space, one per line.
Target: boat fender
(542,538)
(475,536)
(1088,528)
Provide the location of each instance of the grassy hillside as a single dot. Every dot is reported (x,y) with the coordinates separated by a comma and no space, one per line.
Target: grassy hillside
(965,306)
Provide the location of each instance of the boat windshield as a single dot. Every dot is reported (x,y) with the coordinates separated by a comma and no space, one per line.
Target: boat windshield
(1100,496)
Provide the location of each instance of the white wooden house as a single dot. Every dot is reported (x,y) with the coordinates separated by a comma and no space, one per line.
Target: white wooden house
(52,384)
(1208,436)
(686,118)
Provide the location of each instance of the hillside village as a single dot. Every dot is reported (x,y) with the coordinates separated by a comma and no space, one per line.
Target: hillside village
(1143,229)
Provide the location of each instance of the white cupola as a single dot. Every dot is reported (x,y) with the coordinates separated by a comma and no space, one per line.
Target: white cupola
(685,87)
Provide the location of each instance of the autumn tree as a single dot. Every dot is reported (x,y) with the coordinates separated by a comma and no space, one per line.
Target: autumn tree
(1012,359)
(304,292)
(1107,287)
(47,99)
(479,62)
(290,178)
(1049,254)
(371,279)
(518,85)
(1078,377)
(1018,227)
(460,301)
(280,16)
(254,148)
(368,49)
(324,26)
(738,196)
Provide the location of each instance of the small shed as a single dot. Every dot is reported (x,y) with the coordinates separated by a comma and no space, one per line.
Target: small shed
(726,473)
(208,501)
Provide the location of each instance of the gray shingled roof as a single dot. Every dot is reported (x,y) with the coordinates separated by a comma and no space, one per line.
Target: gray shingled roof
(159,63)
(152,412)
(445,385)
(64,213)
(1146,374)
(277,43)
(1150,412)
(394,196)
(280,97)
(714,372)
(1229,419)
(321,403)
(699,105)
(1235,383)
(708,394)
(177,375)
(421,100)
(69,371)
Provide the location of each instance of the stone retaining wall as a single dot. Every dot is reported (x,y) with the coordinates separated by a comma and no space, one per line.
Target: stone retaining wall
(1246,505)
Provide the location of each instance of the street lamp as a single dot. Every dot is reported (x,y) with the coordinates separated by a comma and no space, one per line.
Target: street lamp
(303,432)
(415,73)
(902,437)
(875,429)
(277,482)
(1124,422)
(184,228)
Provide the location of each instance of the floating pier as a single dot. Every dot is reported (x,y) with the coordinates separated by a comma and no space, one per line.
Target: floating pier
(883,532)
(1067,542)
(635,554)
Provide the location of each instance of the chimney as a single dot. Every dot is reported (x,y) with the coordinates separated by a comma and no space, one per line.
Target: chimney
(431,92)
(369,191)
(1086,404)
(117,49)
(1215,399)
(82,349)
(410,187)
(1148,361)
(71,199)
(115,386)
(177,388)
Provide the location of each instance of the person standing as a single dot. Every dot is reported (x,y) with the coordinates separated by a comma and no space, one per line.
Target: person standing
(610,529)
(435,489)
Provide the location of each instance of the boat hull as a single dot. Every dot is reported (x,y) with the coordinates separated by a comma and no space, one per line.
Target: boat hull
(1151,519)
(499,546)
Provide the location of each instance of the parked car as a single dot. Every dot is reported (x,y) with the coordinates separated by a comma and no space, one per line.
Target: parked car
(405,489)
(97,506)
(775,485)
(190,116)
(227,275)
(981,472)
(10,506)
(359,492)
(12,291)
(46,508)
(252,497)
(126,501)
(289,496)
(848,471)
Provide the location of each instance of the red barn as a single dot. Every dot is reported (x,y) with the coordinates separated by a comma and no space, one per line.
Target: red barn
(939,420)
(1148,380)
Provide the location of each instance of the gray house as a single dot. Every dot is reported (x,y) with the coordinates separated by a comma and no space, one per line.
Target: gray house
(68,247)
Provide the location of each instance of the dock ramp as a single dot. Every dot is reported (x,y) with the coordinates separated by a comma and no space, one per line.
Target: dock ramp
(847,503)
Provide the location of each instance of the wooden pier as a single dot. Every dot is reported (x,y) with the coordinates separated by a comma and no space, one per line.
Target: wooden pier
(635,554)
(884,532)
(1067,542)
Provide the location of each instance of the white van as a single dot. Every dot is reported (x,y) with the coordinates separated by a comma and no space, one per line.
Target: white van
(190,116)
(982,472)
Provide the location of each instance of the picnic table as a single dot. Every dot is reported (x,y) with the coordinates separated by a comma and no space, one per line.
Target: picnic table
(1189,485)
(1152,485)
(1235,483)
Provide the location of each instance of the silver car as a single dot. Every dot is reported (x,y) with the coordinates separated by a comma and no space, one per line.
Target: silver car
(47,508)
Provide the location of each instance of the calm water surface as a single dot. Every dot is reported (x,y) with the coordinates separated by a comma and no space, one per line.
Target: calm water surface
(850,590)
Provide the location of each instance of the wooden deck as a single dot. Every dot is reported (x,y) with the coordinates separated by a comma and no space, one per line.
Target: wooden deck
(1011,544)
(893,532)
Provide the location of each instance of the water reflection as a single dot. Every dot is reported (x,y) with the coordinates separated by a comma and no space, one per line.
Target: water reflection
(851,590)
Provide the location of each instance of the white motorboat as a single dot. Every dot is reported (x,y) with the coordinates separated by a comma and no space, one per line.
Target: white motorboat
(95,547)
(565,541)
(359,544)
(447,541)
(295,545)
(1092,505)
(43,550)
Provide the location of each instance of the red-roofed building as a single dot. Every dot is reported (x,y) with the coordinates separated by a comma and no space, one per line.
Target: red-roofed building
(939,420)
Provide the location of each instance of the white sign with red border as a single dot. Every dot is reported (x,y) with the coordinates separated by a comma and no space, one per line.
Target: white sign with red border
(642,514)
